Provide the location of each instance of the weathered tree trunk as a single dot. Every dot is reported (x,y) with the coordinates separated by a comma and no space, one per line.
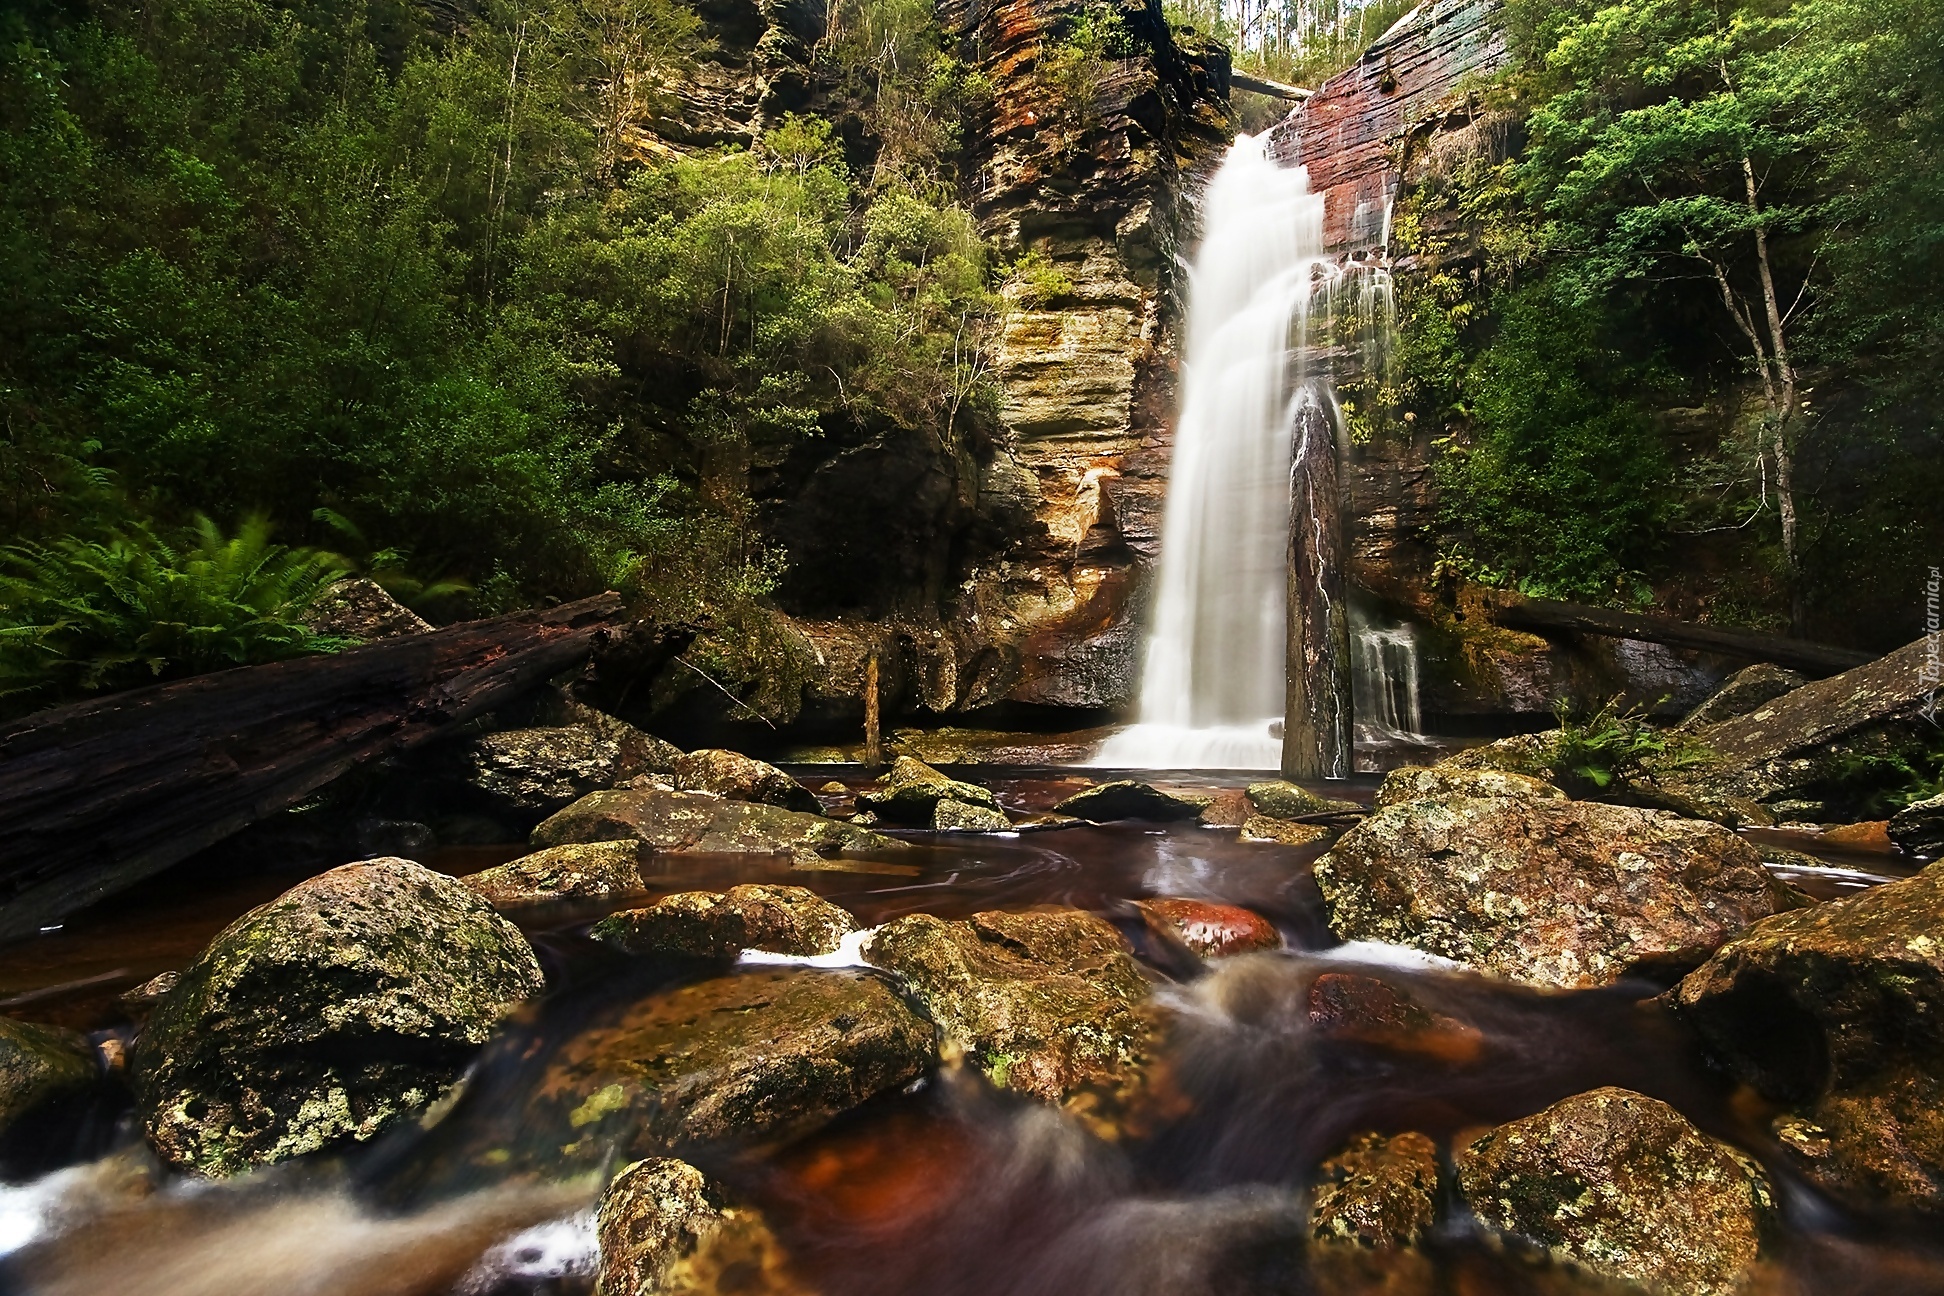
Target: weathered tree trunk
(873,732)
(98,795)
(1545,617)
(1316,707)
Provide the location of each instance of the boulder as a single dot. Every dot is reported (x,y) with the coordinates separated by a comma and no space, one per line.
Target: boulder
(959,816)
(1263,828)
(537,771)
(1377,1192)
(721,924)
(40,1065)
(1837,1011)
(1357,1008)
(1211,930)
(674,822)
(1126,799)
(767,1053)
(742,778)
(1623,1185)
(358,607)
(578,871)
(1533,754)
(1281,800)
(1042,1002)
(1870,835)
(1422,783)
(1744,691)
(910,791)
(1570,894)
(350,1001)
(665,1230)
(1919,827)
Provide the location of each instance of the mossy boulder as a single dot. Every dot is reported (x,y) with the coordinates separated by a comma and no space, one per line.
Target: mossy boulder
(532,772)
(721,924)
(667,1230)
(1042,1002)
(961,816)
(909,793)
(1622,1185)
(1127,799)
(1377,1192)
(40,1065)
(1919,827)
(1429,783)
(1533,754)
(578,871)
(1263,828)
(1278,799)
(742,778)
(674,822)
(347,1003)
(1837,1011)
(1570,894)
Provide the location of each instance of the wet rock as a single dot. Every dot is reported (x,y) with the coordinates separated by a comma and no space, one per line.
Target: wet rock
(957,816)
(1360,1009)
(1554,893)
(666,1230)
(910,791)
(38,1065)
(1919,827)
(742,778)
(1280,800)
(400,838)
(1041,1002)
(578,871)
(1623,1185)
(1047,823)
(756,1055)
(151,990)
(1211,930)
(1838,1011)
(1126,799)
(528,771)
(1744,691)
(721,924)
(350,1001)
(674,822)
(1873,835)
(834,789)
(1422,783)
(360,608)
(1263,828)
(1377,1192)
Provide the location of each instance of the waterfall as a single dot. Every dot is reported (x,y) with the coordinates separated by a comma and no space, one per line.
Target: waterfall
(1387,684)
(1212,690)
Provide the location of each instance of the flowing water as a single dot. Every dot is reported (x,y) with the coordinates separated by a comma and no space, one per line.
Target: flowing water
(951,1189)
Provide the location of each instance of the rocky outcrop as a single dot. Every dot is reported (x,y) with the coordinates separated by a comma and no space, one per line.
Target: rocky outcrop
(1209,929)
(528,772)
(1554,893)
(1127,799)
(721,924)
(1377,1192)
(1621,1184)
(1838,1012)
(1040,1002)
(351,1001)
(674,822)
(40,1065)
(742,778)
(580,871)
(1419,783)
(754,68)
(1742,692)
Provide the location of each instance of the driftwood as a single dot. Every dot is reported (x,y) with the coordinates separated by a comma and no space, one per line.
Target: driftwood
(1544,617)
(98,795)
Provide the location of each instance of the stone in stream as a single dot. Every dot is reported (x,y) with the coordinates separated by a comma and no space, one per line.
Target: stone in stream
(539,770)
(347,1003)
(1623,1185)
(1278,799)
(1377,1192)
(737,777)
(1126,799)
(1042,1002)
(578,871)
(1265,829)
(1919,827)
(1837,1011)
(1570,894)
(1209,929)
(1429,783)
(1356,1008)
(959,816)
(40,1065)
(721,924)
(1870,835)
(1744,691)
(666,1230)
(674,822)
(910,791)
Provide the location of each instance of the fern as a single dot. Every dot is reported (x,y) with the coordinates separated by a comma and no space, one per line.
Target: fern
(80,616)
(1612,746)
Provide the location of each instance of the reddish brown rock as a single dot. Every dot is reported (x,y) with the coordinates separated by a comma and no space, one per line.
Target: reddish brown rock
(1365,1010)
(1211,930)
(1873,835)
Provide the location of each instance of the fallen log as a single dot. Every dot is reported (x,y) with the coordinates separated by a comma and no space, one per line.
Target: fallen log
(1264,86)
(1546,617)
(98,795)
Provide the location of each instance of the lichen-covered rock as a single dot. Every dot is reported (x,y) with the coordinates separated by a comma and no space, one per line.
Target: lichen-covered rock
(910,791)
(1263,828)
(721,924)
(1281,800)
(1377,1192)
(358,607)
(578,871)
(673,822)
(1919,827)
(1211,930)
(1127,799)
(537,771)
(958,816)
(1555,893)
(761,1054)
(1623,1185)
(348,1002)
(742,778)
(666,1230)
(1042,1002)
(38,1065)
(1427,783)
(1532,754)
(1742,693)
(1838,1011)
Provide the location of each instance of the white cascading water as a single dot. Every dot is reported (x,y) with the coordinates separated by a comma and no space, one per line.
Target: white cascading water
(1212,690)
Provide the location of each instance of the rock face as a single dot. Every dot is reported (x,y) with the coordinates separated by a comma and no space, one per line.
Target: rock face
(38,1065)
(1126,799)
(714,925)
(1377,1192)
(537,771)
(583,871)
(1744,691)
(1417,783)
(1280,800)
(742,778)
(910,791)
(1623,1185)
(1838,1011)
(1919,827)
(689,821)
(1041,1002)
(350,1001)
(358,607)
(1211,930)
(1554,893)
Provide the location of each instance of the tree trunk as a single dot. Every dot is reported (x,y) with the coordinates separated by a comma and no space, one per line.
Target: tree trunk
(1316,709)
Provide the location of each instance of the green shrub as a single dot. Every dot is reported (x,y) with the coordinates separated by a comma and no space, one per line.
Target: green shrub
(1611,748)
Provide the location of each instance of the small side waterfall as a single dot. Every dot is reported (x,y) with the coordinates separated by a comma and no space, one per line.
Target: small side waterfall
(1387,684)
(1212,692)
